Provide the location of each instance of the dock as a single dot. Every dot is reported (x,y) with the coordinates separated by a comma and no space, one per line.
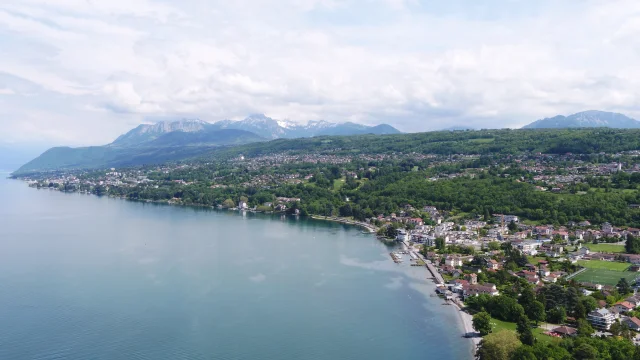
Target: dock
(434,272)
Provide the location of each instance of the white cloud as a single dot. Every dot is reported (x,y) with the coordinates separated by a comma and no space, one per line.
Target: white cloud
(416,65)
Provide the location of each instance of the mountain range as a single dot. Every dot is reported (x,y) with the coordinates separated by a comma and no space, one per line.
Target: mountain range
(586,119)
(259,124)
(181,139)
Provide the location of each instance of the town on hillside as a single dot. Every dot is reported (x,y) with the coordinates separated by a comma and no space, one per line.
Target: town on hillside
(543,247)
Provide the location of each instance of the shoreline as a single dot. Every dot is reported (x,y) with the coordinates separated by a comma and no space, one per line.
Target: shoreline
(464,319)
(370,228)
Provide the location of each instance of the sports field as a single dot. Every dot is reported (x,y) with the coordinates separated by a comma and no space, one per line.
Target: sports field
(605,265)
(605,277)
(605,248)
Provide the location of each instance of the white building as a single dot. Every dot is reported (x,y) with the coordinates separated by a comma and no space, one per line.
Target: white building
(402,235)
(453,261)
(601,319)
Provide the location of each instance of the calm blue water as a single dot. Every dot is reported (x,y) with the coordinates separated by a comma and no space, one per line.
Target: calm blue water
(83,277)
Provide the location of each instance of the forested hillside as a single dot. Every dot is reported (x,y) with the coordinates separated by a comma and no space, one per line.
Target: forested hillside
(551,141)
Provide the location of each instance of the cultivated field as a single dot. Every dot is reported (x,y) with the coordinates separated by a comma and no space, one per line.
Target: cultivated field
(605,248)
(605,265)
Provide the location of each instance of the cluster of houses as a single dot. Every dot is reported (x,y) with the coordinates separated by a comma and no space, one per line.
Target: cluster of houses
(467,287)
(603,317)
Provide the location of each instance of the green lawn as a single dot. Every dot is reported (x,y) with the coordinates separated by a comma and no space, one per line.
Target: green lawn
(605,277)
(606,248)
(499,325)
(338,183)
(535,260)
(532,222)
(538,333)
(605,265)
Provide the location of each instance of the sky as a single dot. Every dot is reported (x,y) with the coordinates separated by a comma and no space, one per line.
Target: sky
(82,72)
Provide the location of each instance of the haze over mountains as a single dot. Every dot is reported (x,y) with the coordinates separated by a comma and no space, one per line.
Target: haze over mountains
(175,140)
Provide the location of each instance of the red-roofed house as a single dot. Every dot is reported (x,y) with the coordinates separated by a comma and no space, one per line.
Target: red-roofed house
(475,290)
(624,306)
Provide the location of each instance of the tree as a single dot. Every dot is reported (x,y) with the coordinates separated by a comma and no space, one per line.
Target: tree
(551,351)
(584,328)
(478,303)
(535,311)
(632,245)
(527,297)
(585,351)
(513,227)
(482,323)
(557,315)
(589,302)
(505,308)
(391,231)
(524,352)
(498,346)
(618,329)
(346,210)
(440,243)
(524,331)
(623,287)
(580,312)
(229,204)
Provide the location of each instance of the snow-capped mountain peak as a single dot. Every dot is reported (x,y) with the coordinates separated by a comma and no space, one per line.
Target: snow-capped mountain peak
(319,124)
(265,126)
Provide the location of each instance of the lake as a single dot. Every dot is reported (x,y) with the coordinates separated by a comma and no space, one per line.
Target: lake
(84,277)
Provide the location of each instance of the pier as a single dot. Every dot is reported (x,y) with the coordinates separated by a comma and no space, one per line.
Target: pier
(436,275)
(395,258)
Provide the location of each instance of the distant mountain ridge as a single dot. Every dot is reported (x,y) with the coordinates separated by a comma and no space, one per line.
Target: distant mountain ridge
(258,124)
(148,132)
(275,129)
(181,139)
(586,119)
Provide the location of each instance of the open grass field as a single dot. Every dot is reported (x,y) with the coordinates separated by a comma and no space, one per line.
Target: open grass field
(499,325)
(338,183)
(605,265)
(605,248)
(535,260)
(605,277)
